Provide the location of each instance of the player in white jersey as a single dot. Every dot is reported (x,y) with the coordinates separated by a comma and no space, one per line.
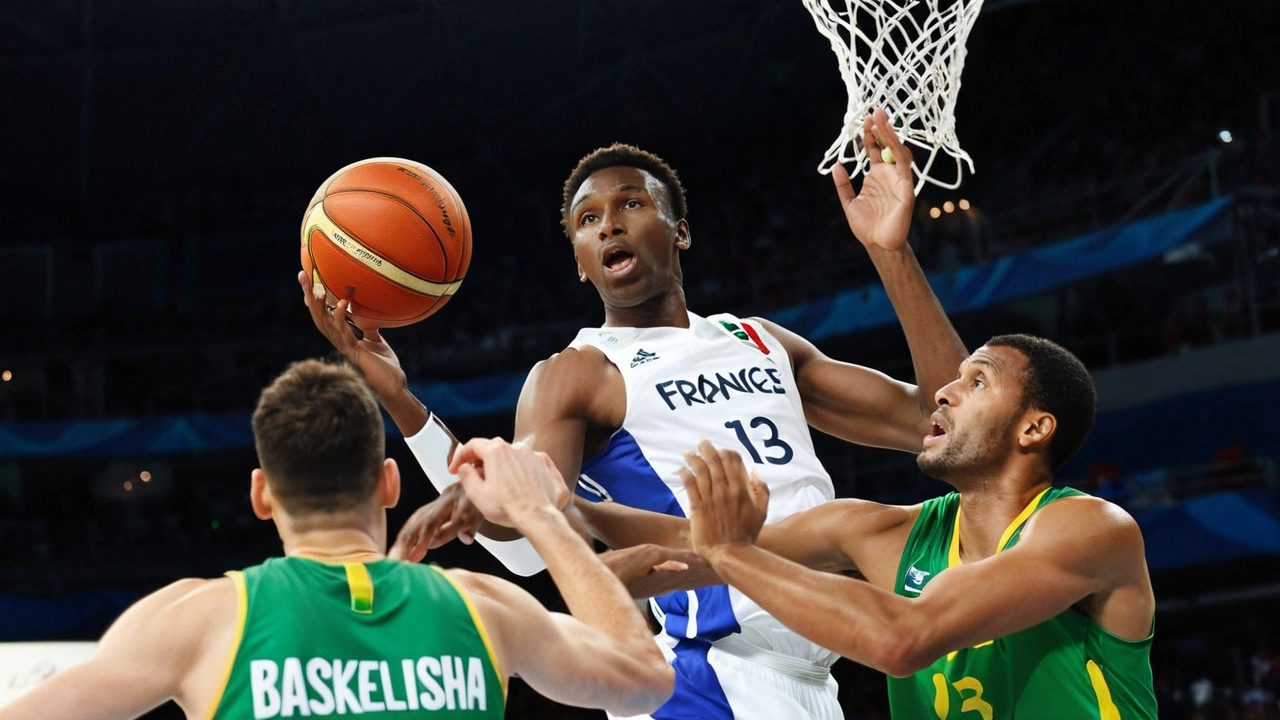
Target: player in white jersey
(598,403)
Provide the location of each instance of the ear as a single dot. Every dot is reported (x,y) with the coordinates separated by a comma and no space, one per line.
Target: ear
(260,495)
(1037,429)
(389,484)
(683,238)
(582,275)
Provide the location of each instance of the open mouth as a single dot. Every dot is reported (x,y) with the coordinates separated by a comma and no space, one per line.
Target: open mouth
(617,260)
(936,430)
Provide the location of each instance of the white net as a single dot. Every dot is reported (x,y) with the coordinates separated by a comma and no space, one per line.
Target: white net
(905,56)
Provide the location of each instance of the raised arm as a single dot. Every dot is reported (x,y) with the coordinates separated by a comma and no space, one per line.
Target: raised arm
(159,649)
(851,402)
(372,355)
(601,656)
(1072,550)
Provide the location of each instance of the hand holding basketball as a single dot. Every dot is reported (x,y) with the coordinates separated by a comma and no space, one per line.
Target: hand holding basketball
(880,215)
(389,236)
(368,351)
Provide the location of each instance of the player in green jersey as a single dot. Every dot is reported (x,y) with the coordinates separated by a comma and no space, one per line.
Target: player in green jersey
(336,628)
(1007,599)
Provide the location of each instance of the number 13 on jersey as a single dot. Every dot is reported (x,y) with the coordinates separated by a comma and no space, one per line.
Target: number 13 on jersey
(971,693)
(773,449)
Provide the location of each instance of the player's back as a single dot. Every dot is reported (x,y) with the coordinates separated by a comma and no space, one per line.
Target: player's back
(384,637)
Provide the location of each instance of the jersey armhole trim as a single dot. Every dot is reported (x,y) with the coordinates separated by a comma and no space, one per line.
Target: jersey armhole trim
(242,614)
(480,628)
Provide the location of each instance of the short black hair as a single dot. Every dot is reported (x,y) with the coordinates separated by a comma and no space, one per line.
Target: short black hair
(1056,382)
(319,437)
(622,155)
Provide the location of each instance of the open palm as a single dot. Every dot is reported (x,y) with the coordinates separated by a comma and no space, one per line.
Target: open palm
(880,215)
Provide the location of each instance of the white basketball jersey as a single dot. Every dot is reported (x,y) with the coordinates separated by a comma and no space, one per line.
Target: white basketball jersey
(724,380)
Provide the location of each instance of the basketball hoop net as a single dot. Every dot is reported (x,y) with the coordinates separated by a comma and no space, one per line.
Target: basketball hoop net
(905,56)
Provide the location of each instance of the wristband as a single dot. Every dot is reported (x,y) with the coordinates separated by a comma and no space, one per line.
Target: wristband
(432,447)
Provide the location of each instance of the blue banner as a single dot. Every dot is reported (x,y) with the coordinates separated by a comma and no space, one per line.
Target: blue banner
(971,288)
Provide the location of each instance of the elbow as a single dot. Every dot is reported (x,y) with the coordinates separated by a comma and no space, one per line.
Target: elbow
(651,685)
(902,653)
(901,662)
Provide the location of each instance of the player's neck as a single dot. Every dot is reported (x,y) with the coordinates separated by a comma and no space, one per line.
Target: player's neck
(986,513)
(666,310)
(335,544)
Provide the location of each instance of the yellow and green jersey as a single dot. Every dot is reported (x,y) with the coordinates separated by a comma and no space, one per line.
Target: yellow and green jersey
(1065,668)
(386,638)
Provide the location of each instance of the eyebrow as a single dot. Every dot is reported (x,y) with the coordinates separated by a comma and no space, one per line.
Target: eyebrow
(983,361)
(619,188)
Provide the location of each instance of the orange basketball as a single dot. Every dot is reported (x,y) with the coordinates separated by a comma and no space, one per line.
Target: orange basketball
(390,235)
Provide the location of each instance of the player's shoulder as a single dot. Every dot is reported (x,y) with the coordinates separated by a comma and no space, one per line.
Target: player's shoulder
(571,373)
(569,364)
(871,516)
(1089,520)
(192,593)
(182,610)
(1091,508)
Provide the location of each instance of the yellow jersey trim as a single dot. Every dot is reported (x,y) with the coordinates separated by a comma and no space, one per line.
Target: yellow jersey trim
(242,613)
(484,632)
(361,586)
(953,552)
(1107,709)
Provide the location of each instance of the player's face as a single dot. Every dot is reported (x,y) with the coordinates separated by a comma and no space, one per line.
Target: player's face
(625,239)
(973,427)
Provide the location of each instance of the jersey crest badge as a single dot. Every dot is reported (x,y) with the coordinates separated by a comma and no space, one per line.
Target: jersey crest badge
(915,580)
(745,333)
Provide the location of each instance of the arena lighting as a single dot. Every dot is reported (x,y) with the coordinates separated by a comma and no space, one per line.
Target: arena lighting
(964,204)
(948,206)
(6,376)
(935,213)
(1225,137)
(128,485)
(144,476)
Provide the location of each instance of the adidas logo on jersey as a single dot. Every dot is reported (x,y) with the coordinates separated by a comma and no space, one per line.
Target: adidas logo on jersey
(643,357)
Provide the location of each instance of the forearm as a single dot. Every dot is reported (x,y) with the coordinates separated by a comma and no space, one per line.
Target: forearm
(635,567)
(620,526)
(406,410)
(853,618)
(591,592)
(936,349)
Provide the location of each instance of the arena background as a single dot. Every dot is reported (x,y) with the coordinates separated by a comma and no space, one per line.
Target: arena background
(157,157)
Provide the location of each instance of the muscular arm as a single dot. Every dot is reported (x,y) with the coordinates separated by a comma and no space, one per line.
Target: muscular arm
(1072,550)
(144,659)
(841,536)
(563,399)
(854,403)
(602,656)
(865,406)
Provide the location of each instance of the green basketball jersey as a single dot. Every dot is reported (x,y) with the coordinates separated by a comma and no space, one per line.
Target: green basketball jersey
(1065,668)
(385,638)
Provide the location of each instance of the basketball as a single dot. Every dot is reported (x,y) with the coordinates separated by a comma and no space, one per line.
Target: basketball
(391,236)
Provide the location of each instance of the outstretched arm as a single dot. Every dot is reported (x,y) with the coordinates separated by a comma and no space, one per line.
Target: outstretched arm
(1071,550)
(603,656)
(144,659)
(851,402)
